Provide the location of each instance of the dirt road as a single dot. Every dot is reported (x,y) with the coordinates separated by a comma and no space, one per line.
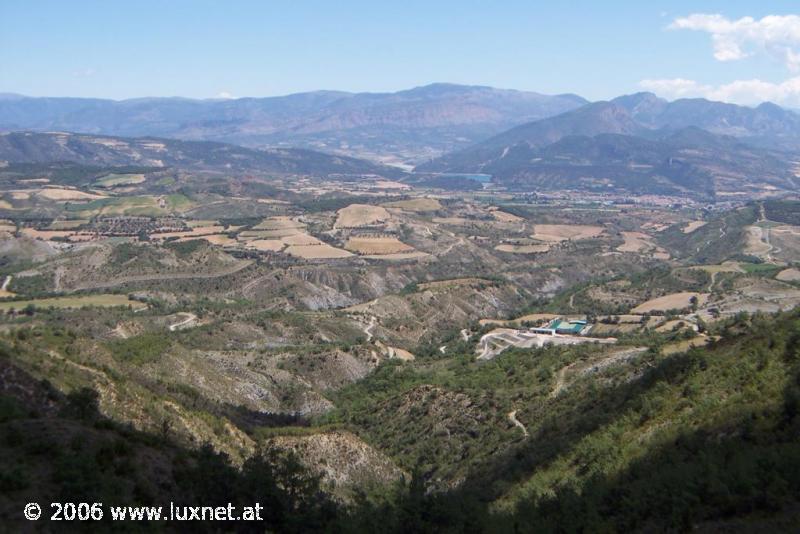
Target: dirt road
(512,416)
(190,317)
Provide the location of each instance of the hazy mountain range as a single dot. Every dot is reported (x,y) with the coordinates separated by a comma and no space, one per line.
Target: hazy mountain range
(410,125)
(107,151)
(525,140)
(642,143)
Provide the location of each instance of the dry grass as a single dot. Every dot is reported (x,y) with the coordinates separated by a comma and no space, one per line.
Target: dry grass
(754,244)
(67,225)
(52,193)
(377,245)
(416,204)
(356,215)
(692,226)
(564,232)
(47,235)
(278,223)
(503,216)
(789,275)
(301,239)
(674,301)
(269,234)
(273,245)
(635,242)
(317,252)
(684,345)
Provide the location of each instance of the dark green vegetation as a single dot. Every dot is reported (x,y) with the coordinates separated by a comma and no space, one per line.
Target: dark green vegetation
(706,439)
(59,448)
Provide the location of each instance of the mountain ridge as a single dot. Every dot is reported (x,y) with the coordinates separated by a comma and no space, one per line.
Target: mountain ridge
(429,119)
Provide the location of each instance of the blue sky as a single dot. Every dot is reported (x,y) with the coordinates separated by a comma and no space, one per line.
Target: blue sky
(207,48)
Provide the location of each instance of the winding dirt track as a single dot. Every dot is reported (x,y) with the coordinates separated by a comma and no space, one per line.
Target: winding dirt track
(189,318)
(373,322)
(512,416)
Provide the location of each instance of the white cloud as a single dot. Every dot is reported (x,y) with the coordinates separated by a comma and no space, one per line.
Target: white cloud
(775,35)
(225,95)
(744,92)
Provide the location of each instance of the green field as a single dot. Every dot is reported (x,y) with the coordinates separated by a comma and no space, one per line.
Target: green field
(107,300)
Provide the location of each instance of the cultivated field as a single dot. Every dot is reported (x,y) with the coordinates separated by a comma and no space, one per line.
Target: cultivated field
(416,204)
(564,232)
(321,251)
(273,245)
(113,180)
(789,275)
(357,215)
(278,223)
(377,245)
(53,193)
(674,301)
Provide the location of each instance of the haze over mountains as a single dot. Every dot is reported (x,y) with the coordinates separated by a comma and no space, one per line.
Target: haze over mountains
(642,143)
(637,143)
(103,151)
(415,124)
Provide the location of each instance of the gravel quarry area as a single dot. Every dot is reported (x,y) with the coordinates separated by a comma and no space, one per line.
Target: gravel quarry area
(496,341)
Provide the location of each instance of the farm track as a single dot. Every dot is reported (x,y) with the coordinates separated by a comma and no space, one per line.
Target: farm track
(159,277)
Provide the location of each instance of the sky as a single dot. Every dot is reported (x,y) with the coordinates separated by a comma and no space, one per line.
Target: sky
(738,51)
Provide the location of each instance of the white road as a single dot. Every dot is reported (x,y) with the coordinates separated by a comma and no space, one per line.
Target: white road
(189,318)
